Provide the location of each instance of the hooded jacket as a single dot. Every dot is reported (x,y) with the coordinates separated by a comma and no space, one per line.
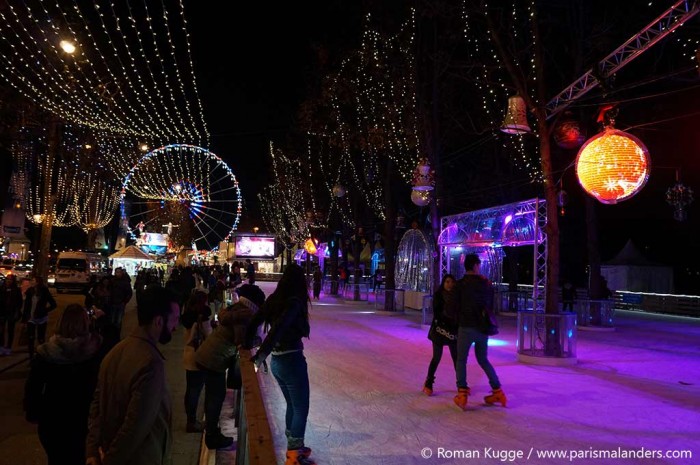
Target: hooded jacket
(220,347)
(61,382)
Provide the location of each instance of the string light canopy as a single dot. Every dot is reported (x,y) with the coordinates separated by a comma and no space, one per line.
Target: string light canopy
(288,207)
(613,166)
(94,202)
(121,66)
(372,103)
(178,178)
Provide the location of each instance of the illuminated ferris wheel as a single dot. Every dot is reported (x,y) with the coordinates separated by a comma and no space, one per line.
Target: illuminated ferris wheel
(186,190)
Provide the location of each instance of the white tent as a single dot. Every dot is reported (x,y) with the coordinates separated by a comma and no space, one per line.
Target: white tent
(129,258)
(632,271)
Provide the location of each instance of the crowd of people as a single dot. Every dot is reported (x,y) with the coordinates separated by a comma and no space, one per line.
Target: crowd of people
(99,399)
(109,399)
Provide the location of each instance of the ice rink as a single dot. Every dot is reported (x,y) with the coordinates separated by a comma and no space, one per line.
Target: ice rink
(635,390)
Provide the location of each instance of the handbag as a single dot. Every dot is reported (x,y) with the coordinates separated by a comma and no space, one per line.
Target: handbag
(440,332)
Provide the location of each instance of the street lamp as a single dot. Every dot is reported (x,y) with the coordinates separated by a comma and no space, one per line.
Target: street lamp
(255,230)
(67,46)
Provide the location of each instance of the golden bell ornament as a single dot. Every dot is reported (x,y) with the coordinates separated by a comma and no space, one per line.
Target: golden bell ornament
(515,121)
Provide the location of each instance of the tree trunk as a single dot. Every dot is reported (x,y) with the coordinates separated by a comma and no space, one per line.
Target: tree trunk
(42,268)
(389,246)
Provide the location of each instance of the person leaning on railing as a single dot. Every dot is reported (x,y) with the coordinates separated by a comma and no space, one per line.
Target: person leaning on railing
(286,311)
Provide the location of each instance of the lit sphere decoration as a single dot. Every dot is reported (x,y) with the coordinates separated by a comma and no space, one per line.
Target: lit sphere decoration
(420,198)
(613,166)
(339,190)
(568,133)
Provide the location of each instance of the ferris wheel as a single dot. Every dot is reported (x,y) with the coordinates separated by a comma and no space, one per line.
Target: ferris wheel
(185,189)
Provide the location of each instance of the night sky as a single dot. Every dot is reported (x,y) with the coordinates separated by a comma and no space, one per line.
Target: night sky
(256,62)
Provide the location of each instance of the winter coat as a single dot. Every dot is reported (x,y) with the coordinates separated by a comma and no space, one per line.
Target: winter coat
(442,310)
(220,347)
(61,383)
(10,302)
(120,291)
(131,413)
(474,294)
(44,305)
(194,321)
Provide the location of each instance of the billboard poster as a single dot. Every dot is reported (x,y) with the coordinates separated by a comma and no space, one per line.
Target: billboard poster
(155,243)
(255,246)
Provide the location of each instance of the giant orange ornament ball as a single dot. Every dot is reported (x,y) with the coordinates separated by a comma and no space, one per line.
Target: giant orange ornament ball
(613,166)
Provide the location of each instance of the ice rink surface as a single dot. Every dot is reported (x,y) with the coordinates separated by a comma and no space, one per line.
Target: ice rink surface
(635,390)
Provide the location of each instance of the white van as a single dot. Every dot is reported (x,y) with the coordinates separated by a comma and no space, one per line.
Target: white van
(78,270)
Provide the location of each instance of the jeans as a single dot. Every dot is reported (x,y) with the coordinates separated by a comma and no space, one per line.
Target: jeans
(116,316)
(195,383)
(214,396)
(8,323)
(437,356)
(291,372)
(35,331)
(466,337)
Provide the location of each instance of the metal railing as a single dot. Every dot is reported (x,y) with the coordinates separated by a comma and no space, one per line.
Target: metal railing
(254,444)
(358,292)
(396,300)
(427,310)
(547,335)
(595,313)
(512,301)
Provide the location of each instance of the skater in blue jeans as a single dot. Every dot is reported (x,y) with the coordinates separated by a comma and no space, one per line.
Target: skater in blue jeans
(286,312)
(475,294)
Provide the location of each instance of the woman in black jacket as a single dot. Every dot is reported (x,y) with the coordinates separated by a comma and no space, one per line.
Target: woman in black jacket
(286,311)
(443,330)
(37,305)
(60,387)
(10,312)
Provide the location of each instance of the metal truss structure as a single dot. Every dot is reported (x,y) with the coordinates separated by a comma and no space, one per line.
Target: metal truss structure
(487,231)
(665,24)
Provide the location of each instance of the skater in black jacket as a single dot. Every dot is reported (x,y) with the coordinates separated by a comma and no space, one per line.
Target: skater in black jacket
(443,330)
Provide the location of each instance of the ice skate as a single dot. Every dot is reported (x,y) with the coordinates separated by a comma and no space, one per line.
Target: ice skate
(496,396)
(299,457)
(462,397)
(428,386)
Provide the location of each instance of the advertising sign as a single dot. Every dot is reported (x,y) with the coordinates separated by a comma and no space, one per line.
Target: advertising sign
(255,246)
(153,243)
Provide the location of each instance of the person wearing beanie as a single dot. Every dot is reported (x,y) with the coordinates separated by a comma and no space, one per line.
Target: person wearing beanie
(218,353)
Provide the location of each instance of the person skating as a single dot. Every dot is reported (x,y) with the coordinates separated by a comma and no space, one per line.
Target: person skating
(443,330)
(287,313)
(475,298)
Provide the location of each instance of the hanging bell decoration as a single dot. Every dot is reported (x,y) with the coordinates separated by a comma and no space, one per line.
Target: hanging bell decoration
(423,176)
(420,198)
(568,133)
(679,197)
(515,121)
(339,190)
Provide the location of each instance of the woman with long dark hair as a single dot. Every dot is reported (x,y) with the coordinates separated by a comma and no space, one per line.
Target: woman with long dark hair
(443,330)
(286,311)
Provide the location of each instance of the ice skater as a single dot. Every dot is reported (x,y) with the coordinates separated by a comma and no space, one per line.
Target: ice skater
(287,313)
(443,330)
(475,296)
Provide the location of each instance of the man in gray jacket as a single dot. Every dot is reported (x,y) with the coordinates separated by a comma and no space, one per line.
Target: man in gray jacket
(130,415)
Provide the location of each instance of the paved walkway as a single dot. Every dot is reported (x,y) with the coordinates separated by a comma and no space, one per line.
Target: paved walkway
(637,389)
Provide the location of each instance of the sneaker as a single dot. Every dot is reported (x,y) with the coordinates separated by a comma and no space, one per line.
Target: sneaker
(217,441)
(194,427)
